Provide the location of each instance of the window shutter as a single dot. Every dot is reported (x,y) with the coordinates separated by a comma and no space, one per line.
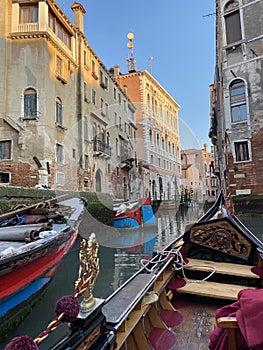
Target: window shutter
(233,27)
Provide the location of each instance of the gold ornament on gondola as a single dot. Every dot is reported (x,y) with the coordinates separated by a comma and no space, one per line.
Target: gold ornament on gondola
(88,271)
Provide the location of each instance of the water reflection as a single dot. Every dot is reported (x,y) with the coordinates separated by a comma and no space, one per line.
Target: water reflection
(120,255)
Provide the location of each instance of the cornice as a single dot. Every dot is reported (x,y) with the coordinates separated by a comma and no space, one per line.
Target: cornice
(48,37)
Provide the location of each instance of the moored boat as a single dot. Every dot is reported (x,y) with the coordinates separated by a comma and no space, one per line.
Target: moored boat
(33,240)
(132,214)
(171,302)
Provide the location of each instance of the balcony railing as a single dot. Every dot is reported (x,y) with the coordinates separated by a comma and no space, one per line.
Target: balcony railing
(101,148)
(27,27)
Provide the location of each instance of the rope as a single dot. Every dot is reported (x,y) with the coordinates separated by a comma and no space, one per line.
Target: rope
(179,263)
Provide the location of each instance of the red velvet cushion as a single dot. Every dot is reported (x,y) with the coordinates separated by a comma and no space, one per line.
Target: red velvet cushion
(161,339)
(176,283)
(171,318)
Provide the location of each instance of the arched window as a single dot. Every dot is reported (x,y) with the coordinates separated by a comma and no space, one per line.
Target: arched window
(232,22)
(30,103)
(59,119)
(238,101)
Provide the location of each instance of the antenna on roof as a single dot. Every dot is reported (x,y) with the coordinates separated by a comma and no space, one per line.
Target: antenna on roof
(131,62)
(209,15)
(151,64)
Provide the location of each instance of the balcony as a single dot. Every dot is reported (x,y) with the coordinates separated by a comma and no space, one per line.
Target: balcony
(101,148)
(28,27)
(126,159)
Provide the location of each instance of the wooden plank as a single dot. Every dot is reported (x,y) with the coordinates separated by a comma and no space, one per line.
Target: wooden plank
(221,268)
(212,289)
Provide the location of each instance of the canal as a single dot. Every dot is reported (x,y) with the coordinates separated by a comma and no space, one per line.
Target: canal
(120,254)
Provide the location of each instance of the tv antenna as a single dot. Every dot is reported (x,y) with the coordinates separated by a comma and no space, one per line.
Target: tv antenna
(131,62)
(151,64)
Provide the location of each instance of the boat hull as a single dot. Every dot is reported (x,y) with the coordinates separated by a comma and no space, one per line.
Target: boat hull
(26,268)
(141,215)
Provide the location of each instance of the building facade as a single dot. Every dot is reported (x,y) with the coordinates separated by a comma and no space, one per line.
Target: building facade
(198,179)
(64,121)
(236,96)
(158,142)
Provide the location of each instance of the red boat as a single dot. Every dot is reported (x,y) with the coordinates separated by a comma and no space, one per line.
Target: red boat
(33,240)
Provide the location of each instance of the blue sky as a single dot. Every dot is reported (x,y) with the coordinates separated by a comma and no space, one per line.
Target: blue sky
(178,34)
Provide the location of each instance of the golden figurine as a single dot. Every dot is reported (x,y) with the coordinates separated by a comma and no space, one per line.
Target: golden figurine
(88,272)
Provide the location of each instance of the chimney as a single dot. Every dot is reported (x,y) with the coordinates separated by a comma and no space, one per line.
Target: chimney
(79,13)
(116,70)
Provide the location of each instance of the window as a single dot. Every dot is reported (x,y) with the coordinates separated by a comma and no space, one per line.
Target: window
(5,177)
(30,103)
(59,120)
(238,101)
(85,57)
(150,136)
(106,83)
(232,22)
(117,147)
(85,128)
(5,150)
(59,65)
(241,151)
(93,69)
(158,140)
(58,28)
(86,161)
(102,107)
(93,96)
(101,77)
(59,153)
(94,134)
(28,14)
(115,94)
(107,110)
(85,92)
(108,139)
(130,113)
(60,178)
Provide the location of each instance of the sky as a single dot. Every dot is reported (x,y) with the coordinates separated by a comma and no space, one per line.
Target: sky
(178,34)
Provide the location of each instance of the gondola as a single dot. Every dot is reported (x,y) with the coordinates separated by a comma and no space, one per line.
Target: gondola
(174,300)
(33,240)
